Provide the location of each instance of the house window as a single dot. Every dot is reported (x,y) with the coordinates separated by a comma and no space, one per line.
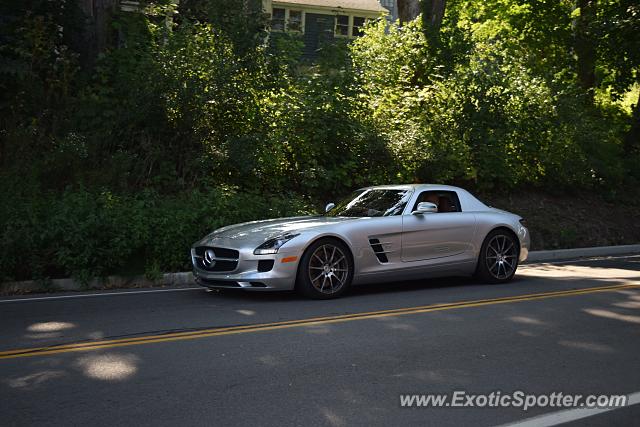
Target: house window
(358,23)
(295,20)
(342,25)
(277,19)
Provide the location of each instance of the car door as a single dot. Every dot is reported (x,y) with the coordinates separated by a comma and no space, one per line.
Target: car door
(437,235)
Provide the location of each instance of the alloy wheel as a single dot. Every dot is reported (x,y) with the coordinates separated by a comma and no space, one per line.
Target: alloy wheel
(328,269)
(501,256)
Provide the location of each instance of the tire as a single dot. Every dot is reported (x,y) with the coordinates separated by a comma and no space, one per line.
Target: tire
(325,270)
(498,260)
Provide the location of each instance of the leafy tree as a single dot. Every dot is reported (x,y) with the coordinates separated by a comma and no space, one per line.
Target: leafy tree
(585,44)
(38,73)
(619,53)
(243,21)
(432,11)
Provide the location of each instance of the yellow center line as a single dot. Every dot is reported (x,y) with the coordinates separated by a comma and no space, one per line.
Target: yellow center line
(232,330)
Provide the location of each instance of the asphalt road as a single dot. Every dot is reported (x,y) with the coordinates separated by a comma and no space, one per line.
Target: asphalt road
(191,357)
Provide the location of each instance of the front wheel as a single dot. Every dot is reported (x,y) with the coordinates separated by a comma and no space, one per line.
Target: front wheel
(325,270)
(498,259)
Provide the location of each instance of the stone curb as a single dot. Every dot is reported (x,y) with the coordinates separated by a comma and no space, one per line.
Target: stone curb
(110,282)
(185,279)
(568,254)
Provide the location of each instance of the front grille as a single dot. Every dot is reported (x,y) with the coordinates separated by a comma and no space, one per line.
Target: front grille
(226,253)
(224,260)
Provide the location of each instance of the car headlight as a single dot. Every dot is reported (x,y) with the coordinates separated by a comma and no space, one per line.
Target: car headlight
(271,246)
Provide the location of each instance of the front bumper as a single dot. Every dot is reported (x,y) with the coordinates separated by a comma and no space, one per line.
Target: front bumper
(281,276)
(525,243)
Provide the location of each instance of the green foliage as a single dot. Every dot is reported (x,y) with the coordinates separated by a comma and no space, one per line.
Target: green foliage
(322,134)
(619,45)
(38,74)
(488,118)
(86,233)
(243,21)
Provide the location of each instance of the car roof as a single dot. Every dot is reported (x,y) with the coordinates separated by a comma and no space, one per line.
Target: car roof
(468,201)
(417,187)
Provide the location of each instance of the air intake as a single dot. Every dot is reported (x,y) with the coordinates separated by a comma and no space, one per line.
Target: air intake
(265,265)
(378,250)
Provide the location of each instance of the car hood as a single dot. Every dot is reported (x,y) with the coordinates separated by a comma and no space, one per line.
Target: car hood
(256,232)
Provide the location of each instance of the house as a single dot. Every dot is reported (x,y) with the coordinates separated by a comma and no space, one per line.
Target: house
(315,21)
(319,21)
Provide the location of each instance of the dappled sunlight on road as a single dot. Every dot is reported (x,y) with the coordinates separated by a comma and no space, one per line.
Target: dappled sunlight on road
(562,271)
(333,418)
(44,331)
(632,294)
(444,377)
(47,330)
(31,381)
(318,329)
(627,304)
(527,320)
(402,326)
(270,360)
(632,303)
(589,346)
(108,367)
(455,377)
(50,326)
(96,335)
(612,315)
(101,367)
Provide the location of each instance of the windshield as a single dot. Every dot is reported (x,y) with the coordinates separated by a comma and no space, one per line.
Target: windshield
(372,202)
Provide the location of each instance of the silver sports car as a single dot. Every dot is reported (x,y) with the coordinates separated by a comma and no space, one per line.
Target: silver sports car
(378,234)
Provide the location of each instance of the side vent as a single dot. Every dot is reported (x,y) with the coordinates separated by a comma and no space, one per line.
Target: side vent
(378,250)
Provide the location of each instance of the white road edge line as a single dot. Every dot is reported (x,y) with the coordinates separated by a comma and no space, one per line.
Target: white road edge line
(569,415)
(100,294)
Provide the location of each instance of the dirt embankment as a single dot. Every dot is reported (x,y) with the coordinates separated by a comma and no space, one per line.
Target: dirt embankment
(572,221)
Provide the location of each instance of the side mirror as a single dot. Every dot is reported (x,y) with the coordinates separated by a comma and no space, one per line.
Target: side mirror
(329,207)
(425,208)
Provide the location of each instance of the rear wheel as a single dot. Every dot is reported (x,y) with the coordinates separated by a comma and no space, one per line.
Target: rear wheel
(498,257)
(325,270)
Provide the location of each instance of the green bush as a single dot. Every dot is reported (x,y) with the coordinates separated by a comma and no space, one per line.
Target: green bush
(85,233)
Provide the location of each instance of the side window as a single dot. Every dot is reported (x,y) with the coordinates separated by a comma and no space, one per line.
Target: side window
(277,19)
(342,25)
(358,23)
(295,21)
(447,201)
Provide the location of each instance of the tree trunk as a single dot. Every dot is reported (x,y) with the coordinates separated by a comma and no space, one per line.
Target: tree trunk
(433,14)
(632,140)
(97,34)
(408,10)
(585,46)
